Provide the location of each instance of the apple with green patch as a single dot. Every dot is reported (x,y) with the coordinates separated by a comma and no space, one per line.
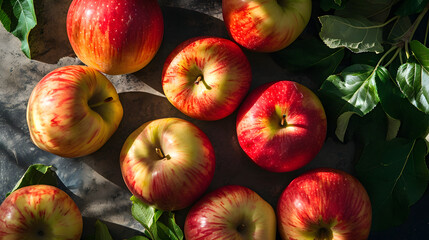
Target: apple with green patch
(73,111)
(266,25)
(281,126)
(231,212)
(167,163)
(115,36)
(40,212)
(206,77)
(324,204)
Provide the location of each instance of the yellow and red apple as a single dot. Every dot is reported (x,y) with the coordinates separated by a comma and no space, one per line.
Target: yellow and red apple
(281,126)
(231,212)
(167,163)
(40,212)
(324,204)
(206,77)
(115,36)
(73,111)
(266,25)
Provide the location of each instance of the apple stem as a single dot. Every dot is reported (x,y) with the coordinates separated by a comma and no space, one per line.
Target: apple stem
(109,99)
(161,154)
(201,79)
(283,122)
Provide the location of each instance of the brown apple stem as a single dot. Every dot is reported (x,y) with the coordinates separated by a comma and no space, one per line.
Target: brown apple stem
(283,122)
(161,154)
(241,227)
(201,79)
(108,99)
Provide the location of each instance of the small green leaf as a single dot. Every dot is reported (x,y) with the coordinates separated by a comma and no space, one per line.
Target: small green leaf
(413,80)
(311,55)
(18,17)
(165,232)
(358,35)
(171,224)
(414,123)
(37,174)
(378,12)
(421,53)
(410,7)
(101,231)
(144,214)
(395,175)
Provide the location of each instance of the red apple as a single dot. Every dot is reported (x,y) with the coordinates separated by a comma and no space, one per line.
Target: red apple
(281,126)
(73,111)
(206,77)
(268,25)
(39,212)
(324,204)
(167,163)
(115,36)
(231,212)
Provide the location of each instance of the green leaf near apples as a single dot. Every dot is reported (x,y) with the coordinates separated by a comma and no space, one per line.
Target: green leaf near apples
(18,17)
(37,174)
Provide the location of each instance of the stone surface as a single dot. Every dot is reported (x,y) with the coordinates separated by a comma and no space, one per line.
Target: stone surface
(95,181)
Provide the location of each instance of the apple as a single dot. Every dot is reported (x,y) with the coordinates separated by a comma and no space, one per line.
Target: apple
(73,111)
(281,126)
(206,77)
(115,36)
(40,212)
(324,204)
(167,163)
(265,25)
(231,212)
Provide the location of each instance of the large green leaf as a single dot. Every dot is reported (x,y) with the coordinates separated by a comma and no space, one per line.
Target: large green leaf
(378,11)
(19,17)
(410,7)
(145,214)
(395,175)
(355,87)
(414,123)
(37,174)
(358,35)
(311,55)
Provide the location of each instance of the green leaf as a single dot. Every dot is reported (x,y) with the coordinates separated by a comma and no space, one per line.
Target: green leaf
(378,12)
(330,4)
(144,214)
(358,35)
(413,80)
(171,224)
(101,231)
(18,17)
(399,29)
(37,174)
(414,123)
(410,7)
(311,55)
(165,232)
(396,176)
(355,87)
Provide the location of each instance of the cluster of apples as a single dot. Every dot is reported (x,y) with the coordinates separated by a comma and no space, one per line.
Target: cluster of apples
(169,163)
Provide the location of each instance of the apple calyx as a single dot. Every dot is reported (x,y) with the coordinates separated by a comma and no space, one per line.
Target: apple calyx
(324,233)
(97,104)
(161,154)
(200,78)
(241,228)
